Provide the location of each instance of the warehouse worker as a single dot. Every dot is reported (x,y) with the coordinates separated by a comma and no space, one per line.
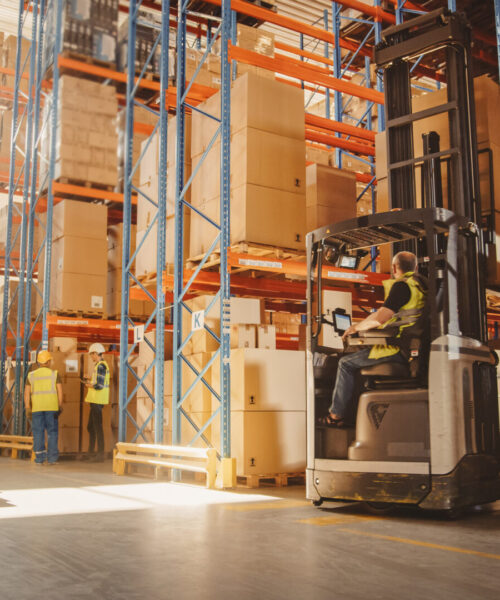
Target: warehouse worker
(405,296)
(43,397)
(97,397)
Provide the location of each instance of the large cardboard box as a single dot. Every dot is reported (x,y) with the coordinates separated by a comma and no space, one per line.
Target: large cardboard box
(265,380)
(69,440)
(258,158)
(115,245)
(79,255)
(317,156)
(330,196)
(70,416)
(79,219)
(77,292)
(381,154)
(258,103)
(259,215)
(331,301)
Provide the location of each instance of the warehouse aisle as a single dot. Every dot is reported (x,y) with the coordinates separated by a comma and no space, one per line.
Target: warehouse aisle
(78,531)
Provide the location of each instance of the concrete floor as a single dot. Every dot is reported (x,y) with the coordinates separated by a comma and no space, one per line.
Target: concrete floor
(76,531)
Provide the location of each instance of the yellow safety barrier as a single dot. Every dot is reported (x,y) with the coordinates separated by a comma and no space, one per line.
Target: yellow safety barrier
(16,443)
(197,460)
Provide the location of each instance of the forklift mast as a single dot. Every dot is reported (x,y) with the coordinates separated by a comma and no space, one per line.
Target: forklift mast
(446,38)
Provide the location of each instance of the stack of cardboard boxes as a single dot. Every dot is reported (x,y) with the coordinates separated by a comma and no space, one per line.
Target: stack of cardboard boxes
(8,53)
(79,258)
(86,137)
(146,210)
(267,166)
(487,98)
(267,411)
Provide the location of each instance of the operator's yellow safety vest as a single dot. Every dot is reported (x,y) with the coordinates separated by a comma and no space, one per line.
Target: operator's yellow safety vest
(407,315)
(99,396)
(43,389)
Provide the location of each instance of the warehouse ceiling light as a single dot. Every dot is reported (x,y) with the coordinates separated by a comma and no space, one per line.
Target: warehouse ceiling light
(15,504)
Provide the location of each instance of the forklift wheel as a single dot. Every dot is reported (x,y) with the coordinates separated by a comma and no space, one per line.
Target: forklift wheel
(317,502)
(380,508)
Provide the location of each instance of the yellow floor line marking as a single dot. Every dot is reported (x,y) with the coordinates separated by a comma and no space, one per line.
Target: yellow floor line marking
(337,520)
(391,538)
(266,505)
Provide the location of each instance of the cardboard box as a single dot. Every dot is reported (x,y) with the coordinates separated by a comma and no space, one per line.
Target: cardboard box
(67,364)
(256,102)
(77,292)
(115,245)
(79,255)
(267,442)
(266,337)
(70,416)
(258,382)
(259,215)
(63,344)
(69,439)
(243,336)
(381,155)
(244,311)
(72,390)
(317,156)
(147,354)
(73,218)
(258,158)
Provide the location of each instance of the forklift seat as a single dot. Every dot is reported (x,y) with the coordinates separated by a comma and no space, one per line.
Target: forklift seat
(387,369)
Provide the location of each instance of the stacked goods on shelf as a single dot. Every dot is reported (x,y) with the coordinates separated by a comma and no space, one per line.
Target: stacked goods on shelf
(137,308)
(487,97)
(88,27)
(147,30)
(66,361)
(284,323)
(146,211)
(268,411)
(267,166)
(8,60)
(330,196)
(86,137)
(144,119)
(6,117)
(79,258)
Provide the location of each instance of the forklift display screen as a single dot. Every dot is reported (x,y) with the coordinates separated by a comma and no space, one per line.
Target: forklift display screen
(342,322)
(348,262)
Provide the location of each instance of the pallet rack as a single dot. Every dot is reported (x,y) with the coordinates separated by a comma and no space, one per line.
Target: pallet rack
(328,71)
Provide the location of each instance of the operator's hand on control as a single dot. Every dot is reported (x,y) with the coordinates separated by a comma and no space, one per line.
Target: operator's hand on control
(349,331)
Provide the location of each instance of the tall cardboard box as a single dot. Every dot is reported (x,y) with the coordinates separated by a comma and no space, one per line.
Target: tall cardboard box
(265,380)
(258,214)
(258,158)
(257,103)
(79,219)
(330,302)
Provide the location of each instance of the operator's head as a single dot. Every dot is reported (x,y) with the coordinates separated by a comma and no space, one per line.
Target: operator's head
(404,262)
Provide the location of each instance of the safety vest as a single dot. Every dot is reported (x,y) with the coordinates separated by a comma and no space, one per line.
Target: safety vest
(407,315)
(99,396)
(43,389)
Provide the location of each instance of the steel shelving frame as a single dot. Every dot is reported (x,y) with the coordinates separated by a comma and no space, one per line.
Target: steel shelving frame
(151,385)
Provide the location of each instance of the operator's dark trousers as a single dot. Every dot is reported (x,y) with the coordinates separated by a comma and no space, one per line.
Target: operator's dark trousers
(94,428)
(349,365)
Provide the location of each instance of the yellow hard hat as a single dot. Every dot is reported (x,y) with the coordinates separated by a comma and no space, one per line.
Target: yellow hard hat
(43,357)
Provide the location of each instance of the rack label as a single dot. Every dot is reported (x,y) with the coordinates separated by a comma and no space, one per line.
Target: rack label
(249,262)
(138,333)
(198,320)
(342,275)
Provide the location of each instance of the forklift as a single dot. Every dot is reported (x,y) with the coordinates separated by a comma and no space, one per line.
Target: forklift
(424,433)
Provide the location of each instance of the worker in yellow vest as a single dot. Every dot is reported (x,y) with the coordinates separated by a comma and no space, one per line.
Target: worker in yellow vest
(97,397)
(405,297)
(43,398)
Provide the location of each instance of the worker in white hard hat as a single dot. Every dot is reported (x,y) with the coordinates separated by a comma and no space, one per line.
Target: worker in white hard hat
(43,398)
(97,397)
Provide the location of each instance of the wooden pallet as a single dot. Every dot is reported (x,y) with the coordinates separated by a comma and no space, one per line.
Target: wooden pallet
(250,248)
(86,184)
(78,314)
(277,480)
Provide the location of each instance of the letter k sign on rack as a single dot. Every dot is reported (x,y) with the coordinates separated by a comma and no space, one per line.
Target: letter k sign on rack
(198,320)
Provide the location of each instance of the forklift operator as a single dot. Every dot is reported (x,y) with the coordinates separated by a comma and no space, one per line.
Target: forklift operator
(405,296)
